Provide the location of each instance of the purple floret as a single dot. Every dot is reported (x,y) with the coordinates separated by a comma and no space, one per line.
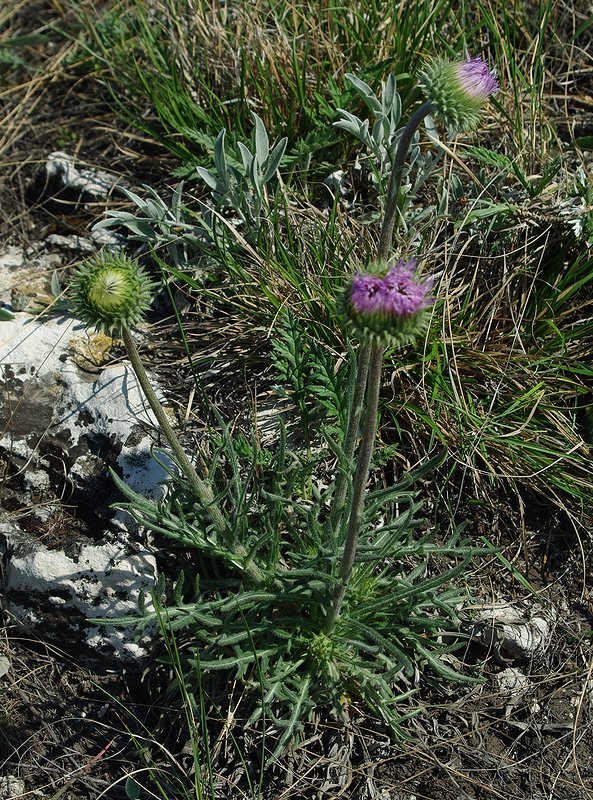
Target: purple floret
(476,78)
(406,295)
(367,294)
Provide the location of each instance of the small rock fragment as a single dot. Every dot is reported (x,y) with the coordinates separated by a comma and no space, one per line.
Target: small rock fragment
(513,683)
(513,634)
(89,183)
(11,787)
(4,666)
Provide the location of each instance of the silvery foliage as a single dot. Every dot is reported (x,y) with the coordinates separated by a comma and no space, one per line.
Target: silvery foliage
(577,207)
(161,225)
(242,186)
(239,184)
(382,139)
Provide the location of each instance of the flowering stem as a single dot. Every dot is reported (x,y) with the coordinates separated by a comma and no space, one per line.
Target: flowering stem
(355,410)
(369,370)
(202,489)
(359,486)
(395,180)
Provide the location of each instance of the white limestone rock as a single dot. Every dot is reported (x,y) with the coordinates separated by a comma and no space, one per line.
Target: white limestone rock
(62,171)
(64,420)
(58,591)
(61,413)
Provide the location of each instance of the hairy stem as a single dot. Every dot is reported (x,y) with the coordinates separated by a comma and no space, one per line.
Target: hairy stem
(395,181)
(355,410)
(361,476)
(369,369)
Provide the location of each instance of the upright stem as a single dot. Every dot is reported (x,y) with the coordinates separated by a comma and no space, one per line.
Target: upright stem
(395,180)
(369,369)
(350,438)
(202,489)
(361,477)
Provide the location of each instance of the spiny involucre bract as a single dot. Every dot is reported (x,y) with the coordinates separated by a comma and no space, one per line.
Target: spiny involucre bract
(388,304)
(111,291)
(458,90)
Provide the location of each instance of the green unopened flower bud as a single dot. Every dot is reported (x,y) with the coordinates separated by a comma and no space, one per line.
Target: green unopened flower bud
(459,90)
(111,292)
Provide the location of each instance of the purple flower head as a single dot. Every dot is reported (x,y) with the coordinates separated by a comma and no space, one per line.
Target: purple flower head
(389,305)
(476,78)
(458,90)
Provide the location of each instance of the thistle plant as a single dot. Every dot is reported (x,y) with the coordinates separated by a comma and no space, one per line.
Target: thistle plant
(307,597)
(388,304)
(112,292)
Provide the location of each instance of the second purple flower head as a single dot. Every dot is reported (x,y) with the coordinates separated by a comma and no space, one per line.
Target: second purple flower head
(458,90)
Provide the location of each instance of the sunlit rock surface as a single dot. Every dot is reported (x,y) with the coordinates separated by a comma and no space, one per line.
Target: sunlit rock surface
(66,417)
